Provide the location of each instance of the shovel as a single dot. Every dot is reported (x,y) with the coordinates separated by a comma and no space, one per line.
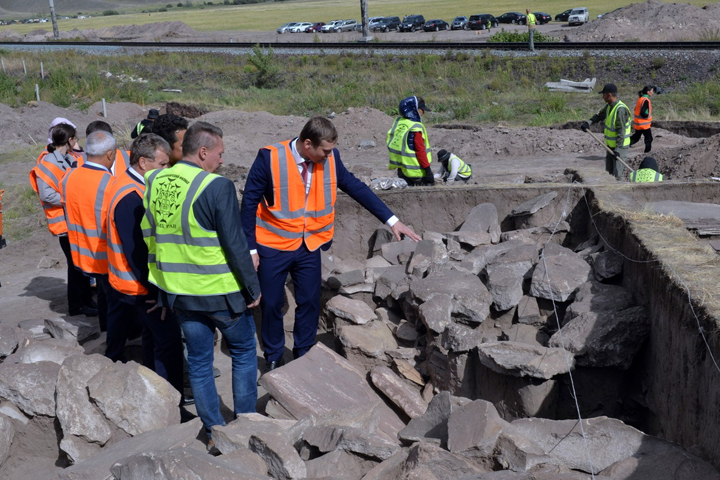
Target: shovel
(610,150)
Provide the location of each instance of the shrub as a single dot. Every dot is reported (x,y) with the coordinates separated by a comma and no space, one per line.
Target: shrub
(107,13)
(658,63)
(709,35)
(520,37)
(264,71)
(169,5)
(180,4)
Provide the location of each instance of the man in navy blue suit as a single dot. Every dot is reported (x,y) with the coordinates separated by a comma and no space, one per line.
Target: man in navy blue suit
(288,217)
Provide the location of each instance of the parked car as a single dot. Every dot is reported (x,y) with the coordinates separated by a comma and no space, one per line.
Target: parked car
(479,21)
(412,23)
(372,21)
(315,27)
(285,28)
(562,17)
(387,24)
(346,26)
(460,23)
(330,27)
(512,17)
(436,25)
(578,16)
(299,27)
(542,18)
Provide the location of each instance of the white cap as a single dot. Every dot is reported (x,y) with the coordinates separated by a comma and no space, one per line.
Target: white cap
(58,121)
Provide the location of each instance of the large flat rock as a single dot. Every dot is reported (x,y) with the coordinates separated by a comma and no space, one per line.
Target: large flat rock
(321,381)
(470,298)
(31,387)
(560,273)
(521,360)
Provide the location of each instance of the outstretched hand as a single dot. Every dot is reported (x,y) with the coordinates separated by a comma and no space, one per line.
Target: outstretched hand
(400,229)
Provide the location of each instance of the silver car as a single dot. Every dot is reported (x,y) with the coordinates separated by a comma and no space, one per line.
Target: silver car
(346,26)
(286,28)
(330,27)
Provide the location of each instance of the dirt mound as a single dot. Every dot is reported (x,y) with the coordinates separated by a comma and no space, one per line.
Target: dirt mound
(651,21)
(187,111)
(698,161)
(146,32)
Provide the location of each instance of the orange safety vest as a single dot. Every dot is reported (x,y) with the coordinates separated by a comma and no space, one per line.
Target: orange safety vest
(51,174)
(83,193)
(122,162)
(120,274)
(640,123)
(293,217)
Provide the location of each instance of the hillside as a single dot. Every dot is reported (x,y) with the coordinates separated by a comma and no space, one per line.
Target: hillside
(19,8)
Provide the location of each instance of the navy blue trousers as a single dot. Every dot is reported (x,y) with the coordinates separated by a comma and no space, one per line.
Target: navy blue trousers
(305,270)
(161,344)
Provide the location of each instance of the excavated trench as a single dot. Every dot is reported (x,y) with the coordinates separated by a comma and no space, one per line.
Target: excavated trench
(671,389)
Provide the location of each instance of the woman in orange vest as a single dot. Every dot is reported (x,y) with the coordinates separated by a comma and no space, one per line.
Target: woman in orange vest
(642,118)
(45,179)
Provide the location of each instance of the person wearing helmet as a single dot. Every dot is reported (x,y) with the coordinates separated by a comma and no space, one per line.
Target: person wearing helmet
(452,168)
(408,144)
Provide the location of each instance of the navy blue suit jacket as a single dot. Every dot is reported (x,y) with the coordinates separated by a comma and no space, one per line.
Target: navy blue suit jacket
(259,186)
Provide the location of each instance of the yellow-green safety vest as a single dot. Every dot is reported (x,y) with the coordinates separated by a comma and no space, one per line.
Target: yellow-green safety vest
(183,257)
(401,156)
(464,169)
(646,175)
(610,134)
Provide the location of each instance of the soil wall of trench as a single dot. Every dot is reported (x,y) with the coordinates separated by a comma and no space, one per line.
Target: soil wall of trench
(678,385)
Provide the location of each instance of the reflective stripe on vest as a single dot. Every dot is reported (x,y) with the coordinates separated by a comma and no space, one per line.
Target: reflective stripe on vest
(464,169)
(183,257)
(83,196)
(120,274)
(401,156)
(52,175)
(295,217)
(610,134)
(646,175)
(640,123)
(139,128)
(122,162)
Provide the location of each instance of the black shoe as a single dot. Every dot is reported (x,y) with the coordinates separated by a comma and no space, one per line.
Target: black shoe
(270,366)
(87,311)
(188,399)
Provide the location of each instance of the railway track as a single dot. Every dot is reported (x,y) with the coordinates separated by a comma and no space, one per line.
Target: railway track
(308,47)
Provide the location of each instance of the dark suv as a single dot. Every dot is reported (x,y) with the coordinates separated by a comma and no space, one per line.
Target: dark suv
(412,23)
(387,24)
(482,21)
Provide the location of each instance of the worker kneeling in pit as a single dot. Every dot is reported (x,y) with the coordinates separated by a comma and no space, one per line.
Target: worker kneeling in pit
(452,168)
(648,172)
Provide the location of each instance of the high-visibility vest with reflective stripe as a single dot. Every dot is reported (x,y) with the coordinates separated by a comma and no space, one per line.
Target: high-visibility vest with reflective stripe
(51,174)
(122,162)
(531,20)
(120,274)
(139,128)
(84,197)
(79,157)
(646,175)
(295,217)
(640,123)
(610,134)
(464,169)
(183,257)
(401,156)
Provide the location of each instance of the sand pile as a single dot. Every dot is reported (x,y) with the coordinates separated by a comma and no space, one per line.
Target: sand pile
(146,32)
(698,161)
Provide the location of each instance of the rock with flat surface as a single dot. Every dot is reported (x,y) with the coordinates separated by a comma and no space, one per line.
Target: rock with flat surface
(606,264)
(534,213)
(374,267)
(176,436)
(236,434)
(350,439)
(73,328)
(81,421)
(520,359)
(321,381)
(436,312)
(473,430)
(607,439)
(518,397)
(518,453)
(429,461)
(392,283)
(470,298)
(179,463)
(471,239)
(432,426)
(528,311)
(597,297)
(477,260)
(353,277)
(31,387)
(365,345)
(400,393)
(8,340)
(559,275)
(355,311)
(123,392)
(34,328)
(480,218)
(44,352)
(338,465)
(7,432)
(381,237)
(506,274)
(534,204)
(282,459)
(608,339)
(428,256)
(393,251)
(390,468)
(406,332)
(461,338)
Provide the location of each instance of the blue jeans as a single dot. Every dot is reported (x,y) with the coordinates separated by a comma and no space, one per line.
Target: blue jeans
(239,334)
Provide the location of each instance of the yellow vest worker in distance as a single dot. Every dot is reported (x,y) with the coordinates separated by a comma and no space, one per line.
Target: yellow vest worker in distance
(648,171)
(408,144)
(45,179)
(199,259)
(288,214)
(452,168)
(531,21)
(616,117)
(642,117)
(83,192)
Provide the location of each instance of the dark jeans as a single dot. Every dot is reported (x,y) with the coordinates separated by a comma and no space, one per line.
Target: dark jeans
(161,344)
(643,133)
(79,293)
(417,181)
(121,320)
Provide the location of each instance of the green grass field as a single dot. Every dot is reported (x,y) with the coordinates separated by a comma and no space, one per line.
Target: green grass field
(270,15)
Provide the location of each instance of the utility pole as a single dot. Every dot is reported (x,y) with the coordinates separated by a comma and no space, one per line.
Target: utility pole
(56,33)
(365,27)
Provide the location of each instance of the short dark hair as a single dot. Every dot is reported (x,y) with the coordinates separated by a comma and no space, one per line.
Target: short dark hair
(146,145)
(318,129)
(166,125)
(61,135)
(200,134)
(98,125)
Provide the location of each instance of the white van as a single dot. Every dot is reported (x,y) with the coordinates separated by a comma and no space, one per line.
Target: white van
(578,16)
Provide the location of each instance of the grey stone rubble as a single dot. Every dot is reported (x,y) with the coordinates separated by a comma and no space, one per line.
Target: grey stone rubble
(447,349)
